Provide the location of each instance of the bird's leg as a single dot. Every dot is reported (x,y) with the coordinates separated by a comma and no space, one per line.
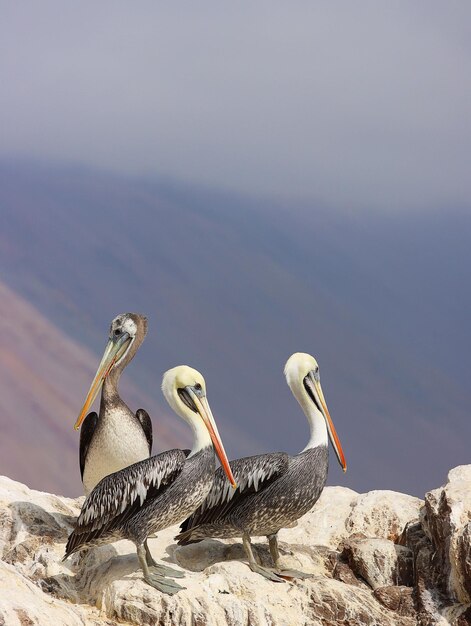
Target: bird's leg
(254,566)
(149,558)
(165,585)
(275,555)
(159,568)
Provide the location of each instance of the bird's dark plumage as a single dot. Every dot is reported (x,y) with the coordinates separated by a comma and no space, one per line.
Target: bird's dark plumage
(252,474)
(119,496)
(146,423)
(273,491)
(86,434)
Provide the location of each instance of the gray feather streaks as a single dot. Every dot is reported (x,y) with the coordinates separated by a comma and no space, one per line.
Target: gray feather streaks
(274,490)
(144,498)
(120,490)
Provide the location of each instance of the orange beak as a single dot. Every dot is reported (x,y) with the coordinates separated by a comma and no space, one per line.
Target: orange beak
(316,389)
(206,415)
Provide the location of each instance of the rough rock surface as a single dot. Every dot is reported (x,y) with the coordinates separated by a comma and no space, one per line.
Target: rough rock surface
(377,559)
(446,520)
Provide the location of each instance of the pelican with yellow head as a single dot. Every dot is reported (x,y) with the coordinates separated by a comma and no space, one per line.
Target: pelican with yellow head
(156,493)
(276,489)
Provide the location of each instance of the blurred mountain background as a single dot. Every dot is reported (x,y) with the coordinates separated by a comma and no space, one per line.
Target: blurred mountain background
(233,284)
(258,179)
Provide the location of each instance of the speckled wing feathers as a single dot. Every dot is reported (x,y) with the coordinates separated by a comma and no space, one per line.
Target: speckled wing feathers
(252,475)
(120,495)
(144,419)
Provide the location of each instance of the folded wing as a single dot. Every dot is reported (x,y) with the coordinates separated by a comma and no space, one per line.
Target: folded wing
(119,496)
(253,474)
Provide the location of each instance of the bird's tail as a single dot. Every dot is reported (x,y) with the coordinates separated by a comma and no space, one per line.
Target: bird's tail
(185,537)
(73,544)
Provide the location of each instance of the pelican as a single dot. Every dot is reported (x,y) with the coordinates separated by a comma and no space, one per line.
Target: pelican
(160,491)
(274,489)
(116,438)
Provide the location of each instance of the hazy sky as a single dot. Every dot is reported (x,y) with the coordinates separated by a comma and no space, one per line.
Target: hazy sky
(352,103)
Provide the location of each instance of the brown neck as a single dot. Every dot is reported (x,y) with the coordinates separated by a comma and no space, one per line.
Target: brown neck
(110,386)
(109,392)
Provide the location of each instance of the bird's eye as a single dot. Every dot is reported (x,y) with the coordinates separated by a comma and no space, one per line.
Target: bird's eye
(117,332)
(198,387)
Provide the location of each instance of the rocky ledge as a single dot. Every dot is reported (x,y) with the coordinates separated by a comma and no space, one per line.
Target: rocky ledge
(380,558)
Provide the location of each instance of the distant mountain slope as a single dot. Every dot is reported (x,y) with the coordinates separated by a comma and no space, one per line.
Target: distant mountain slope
(44,376)
(233,286)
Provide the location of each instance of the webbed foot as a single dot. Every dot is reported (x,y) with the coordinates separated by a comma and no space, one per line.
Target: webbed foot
(266,572)
(289,574)
(165,585)
(165,570)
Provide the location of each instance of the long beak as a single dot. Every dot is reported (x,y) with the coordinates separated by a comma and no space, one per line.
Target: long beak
(115,349)
(316,388)
(206,415)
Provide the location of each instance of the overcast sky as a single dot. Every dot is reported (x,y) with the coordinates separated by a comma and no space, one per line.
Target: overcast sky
(351,103)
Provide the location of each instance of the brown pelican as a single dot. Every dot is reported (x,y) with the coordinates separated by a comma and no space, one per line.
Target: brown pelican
(274,489)
(160,491)
(116,438)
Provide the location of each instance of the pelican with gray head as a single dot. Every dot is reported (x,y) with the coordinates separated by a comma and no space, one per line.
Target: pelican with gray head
(275,489)
(116,437)
(151,495)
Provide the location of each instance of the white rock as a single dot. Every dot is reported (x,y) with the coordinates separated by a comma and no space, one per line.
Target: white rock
(23,603)
(379,561)
(105,583)
(325,525)
(382,514)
